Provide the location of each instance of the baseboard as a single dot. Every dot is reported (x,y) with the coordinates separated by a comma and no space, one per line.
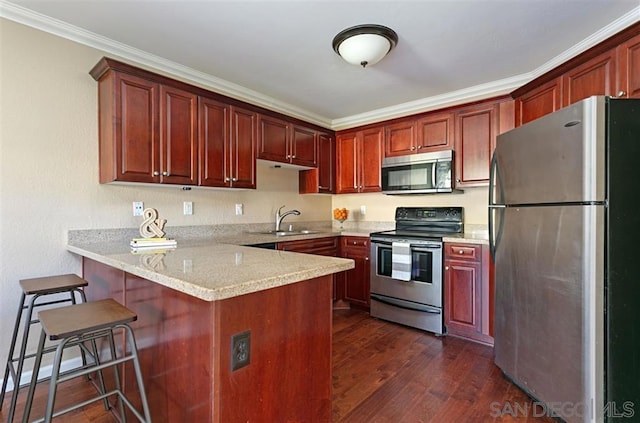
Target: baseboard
(45,372)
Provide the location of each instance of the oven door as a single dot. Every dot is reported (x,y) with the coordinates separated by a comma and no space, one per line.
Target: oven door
(425,286)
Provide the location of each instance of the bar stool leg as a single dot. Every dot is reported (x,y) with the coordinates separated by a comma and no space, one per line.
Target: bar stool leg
(136,366)
(12,347)
(117,375)
(34,378)
(53,383)
(102,387)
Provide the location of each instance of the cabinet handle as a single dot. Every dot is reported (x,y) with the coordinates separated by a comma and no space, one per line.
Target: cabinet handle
(227,179)
(293,157)
(234,179)
(165,173)
(366,259)
(419,147)
(458,180)
(288,156)
(621,93)
(156,173)
(446,268)
(461,252)
(412,147)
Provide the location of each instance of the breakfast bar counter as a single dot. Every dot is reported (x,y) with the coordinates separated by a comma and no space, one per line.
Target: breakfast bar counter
(195,301)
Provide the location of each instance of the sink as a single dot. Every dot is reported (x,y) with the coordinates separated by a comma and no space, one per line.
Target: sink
(289,233)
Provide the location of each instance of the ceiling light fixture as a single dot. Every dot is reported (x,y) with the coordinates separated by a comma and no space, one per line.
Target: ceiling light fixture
(365,44)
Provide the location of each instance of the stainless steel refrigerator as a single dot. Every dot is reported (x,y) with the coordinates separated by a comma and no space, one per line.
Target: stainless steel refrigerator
(564,223)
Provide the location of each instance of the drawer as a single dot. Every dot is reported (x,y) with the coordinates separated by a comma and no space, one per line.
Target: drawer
(463,251)
(313,246)
(354,242)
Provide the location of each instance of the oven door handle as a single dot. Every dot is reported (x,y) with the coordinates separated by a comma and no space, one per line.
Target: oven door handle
(406,305)
(414,247)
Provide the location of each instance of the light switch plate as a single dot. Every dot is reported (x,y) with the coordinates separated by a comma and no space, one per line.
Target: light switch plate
(187,207)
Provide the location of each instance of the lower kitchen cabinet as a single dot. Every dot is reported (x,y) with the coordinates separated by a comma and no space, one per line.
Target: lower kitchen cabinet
(327,246)
(468,305)
(356,280)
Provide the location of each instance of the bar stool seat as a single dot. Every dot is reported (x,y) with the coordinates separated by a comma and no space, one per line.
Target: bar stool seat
(77,324)
(37,289)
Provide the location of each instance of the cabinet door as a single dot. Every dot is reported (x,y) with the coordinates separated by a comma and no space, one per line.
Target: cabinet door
(137,140)
(595,77)
(346,163)
(243,148)
(538,102)
(178,135)
(215,156)
(326,163)
(273,139)
(435,132)
(462,297)
(370,160)
(357,289)
(304,148)
(475,141)
(629,68)
(400,139)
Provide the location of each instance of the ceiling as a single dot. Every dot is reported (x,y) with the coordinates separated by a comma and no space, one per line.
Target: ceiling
(278,54)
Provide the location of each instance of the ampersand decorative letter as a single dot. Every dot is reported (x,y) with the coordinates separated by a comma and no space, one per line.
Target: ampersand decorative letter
(152,226)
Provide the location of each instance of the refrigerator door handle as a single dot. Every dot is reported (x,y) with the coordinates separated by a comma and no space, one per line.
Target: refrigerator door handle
(495,182)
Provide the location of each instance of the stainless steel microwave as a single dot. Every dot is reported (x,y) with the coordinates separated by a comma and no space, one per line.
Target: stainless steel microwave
(424,173)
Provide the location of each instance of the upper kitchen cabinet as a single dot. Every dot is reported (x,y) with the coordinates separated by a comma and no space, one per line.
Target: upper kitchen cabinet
(321,179)
(358,161)
(227,145)
(285,142)
(129,134)
(539,102)
(178,136)
(594,77)
(609,68)
(629,68)
(432,132)
(148,130)
(476,130)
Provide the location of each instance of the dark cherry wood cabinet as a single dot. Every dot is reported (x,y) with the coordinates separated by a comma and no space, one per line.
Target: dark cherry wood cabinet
(400,139)
(178,136)
(227,145)
(282,141)
(594,77)
(475,138)
(358,161)
(468,309)
(322,178)
(610,68)
(129,132)
(435,132)
(539,102)
(356,280)
(629,68)
(431,132)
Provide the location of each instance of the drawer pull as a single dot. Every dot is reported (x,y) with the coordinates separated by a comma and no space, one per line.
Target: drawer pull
(461,252)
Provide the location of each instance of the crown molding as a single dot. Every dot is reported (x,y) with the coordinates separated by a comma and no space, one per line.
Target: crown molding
(62,29)
(453,98)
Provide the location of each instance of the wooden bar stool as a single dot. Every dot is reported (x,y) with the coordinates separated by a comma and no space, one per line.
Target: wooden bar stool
(37,289)
(79,323)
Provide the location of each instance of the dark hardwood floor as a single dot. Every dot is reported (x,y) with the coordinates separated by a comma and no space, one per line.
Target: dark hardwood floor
(382,372)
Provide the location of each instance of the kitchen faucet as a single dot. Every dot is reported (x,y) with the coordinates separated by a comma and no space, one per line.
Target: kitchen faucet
(280,217)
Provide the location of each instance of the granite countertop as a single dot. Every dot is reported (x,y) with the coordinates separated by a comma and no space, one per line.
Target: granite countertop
(210,270)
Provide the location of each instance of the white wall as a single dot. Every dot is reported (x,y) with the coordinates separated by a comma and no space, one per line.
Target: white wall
(49,171)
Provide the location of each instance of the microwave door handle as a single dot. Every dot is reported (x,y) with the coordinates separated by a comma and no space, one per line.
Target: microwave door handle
(433,175)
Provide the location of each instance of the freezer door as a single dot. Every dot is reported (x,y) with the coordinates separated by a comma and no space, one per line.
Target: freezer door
(555,159)
(549,306)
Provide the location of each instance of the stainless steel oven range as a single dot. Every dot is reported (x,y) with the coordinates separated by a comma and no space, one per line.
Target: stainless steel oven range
(407,265)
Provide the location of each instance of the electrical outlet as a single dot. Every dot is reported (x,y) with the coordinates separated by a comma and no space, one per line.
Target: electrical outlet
(239,210)
(240,350)
(187,208)
(138,208)
(363,210)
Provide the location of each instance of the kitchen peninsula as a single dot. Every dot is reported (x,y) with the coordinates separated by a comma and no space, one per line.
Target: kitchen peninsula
(193,300)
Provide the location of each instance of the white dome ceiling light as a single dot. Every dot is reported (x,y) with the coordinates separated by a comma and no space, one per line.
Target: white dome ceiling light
(365,44)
